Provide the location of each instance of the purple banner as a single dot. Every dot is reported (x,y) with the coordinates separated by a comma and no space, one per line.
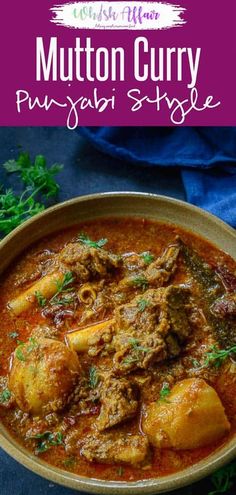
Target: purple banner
(127,63)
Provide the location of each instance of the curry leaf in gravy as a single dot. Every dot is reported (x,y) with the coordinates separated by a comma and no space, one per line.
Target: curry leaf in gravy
(148,258)
(216,356)
(5,395)
(93,377)
(140,281)
(84,239)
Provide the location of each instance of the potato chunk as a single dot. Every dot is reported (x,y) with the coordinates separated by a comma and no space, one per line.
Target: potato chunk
(42,375)
(192,416)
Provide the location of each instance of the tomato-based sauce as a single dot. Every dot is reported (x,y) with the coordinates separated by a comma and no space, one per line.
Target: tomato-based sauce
(165,300)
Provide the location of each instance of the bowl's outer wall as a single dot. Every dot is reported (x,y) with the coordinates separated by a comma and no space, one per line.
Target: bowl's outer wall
(87,208)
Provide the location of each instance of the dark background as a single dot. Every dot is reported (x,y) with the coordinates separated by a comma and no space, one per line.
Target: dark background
(86,170)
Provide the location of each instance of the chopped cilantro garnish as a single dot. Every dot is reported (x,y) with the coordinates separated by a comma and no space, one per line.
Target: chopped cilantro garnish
(93,377)
(5,395)
(70,462)
(216,356)
(143,304)
(147,257)
(164,393)
(137,347)
(46,440)
(40,299)
(62,289)
(88,242)
(13,335)
(140,281)
(24,349)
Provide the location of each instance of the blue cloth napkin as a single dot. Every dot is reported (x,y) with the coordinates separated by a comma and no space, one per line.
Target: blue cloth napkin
(206,156)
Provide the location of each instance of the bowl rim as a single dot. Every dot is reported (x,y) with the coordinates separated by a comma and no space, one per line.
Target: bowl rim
(214,461)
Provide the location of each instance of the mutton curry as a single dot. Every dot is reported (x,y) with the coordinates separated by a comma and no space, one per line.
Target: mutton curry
(118,346)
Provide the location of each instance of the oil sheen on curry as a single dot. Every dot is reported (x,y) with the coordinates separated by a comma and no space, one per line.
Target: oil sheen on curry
(118,349)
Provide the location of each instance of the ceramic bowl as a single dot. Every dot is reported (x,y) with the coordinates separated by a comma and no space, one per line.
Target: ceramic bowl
(120,205)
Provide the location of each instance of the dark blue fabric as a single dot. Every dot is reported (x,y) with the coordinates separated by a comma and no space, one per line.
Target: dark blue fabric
(206,155)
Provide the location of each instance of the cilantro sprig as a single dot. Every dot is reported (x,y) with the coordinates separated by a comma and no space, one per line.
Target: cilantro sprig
(38,182)
(147,257)
(141,282)
(46,440)
(164,393)
(5,396)
(24,349)
(63,289)
(35,175)
(142,304)
(93,377)
(15,209)
(84,239)
(223,479)
(216,357)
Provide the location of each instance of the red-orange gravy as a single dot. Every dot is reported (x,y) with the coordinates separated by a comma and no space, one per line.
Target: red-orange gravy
(123,236)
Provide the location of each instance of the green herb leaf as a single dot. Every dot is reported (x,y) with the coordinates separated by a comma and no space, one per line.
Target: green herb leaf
(120,471)
(223,479)
(88,242)
(62,288)
(137,347)
(130,359)
(46,440)
(11,166)
(164,393)
(195,363)
(5,396)
(140,281)
(143,304)
(42,301)
(93,377)
(19,353)
(147,257)
(13,335)
(38,179)
(24,349)
(35,174)
(70,462)
(14,210)
(216,356)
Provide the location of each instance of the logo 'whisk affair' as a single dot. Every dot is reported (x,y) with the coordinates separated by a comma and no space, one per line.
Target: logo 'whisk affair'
(86,76)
